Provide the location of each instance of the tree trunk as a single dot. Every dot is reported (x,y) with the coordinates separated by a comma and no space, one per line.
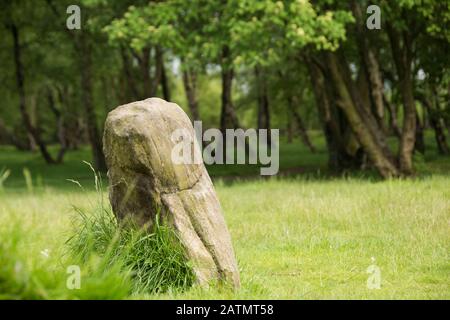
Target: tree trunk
(289,128)
(419,145)
(364,130)
(338,158)
(95,141)
(164,79)
(371,68)
(439,124)
(441,139)
(393,123)
(303,132)
(61,129)
(263,99)
(376,87)
(365,111)
(403,57)
(149,89)
(190,88)
(292,103)
(20,78)
(228,118)
(132,91)
(409,124)
(436,124)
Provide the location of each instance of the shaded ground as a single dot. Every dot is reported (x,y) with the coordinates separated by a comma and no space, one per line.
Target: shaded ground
(295,160)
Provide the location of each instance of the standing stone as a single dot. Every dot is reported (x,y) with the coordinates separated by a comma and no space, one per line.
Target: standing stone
(144,181)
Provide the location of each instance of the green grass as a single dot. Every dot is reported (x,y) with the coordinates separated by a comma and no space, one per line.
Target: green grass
(155,261)
(34,257)
(310,236)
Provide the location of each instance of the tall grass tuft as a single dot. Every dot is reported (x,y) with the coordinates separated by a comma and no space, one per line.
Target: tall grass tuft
(4,174)
(156,259)
(28,179)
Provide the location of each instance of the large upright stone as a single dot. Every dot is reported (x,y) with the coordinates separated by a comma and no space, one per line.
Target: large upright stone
(144,180)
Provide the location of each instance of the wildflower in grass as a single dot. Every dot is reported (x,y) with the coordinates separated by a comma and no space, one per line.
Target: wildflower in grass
(45,253)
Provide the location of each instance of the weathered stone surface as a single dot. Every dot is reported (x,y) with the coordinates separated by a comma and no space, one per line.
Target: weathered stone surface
(143,179)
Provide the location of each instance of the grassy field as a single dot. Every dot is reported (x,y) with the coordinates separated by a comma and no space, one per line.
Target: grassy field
(310,235)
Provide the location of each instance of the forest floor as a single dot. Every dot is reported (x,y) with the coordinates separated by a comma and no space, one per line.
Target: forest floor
(309,235)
